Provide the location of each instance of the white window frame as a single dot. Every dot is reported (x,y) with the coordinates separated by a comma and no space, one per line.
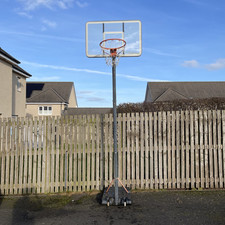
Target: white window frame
(44,110)
(18,84)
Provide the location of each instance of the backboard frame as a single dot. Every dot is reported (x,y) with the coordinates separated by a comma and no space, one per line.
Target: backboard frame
(121,33)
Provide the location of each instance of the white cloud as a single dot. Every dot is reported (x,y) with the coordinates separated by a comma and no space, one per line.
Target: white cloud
(129,77)
(191,64)
(219,64)
(24,14)
(60,38)
(49,23)
(195,2)
(82,4)
(29,5)
(159,52)
(132,47)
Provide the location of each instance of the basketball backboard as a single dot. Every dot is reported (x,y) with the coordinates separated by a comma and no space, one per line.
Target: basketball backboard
(128,30)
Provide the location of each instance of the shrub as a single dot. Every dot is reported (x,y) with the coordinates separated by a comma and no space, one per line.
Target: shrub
(175,105)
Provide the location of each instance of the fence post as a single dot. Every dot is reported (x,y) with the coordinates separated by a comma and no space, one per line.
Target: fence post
(102,159)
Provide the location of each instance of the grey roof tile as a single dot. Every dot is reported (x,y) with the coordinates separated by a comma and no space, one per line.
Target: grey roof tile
(48,91)
(190,90)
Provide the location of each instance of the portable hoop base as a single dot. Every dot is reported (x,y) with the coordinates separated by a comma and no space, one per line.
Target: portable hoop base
(108,197)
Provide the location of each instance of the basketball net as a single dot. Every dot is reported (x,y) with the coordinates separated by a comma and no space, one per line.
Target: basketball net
(109,58)
(112,49)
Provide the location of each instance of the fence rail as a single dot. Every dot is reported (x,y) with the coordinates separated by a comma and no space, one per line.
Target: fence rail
(160,150)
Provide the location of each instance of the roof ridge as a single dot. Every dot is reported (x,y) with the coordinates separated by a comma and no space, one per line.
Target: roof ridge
(170,89)
(49,89)
(57,94)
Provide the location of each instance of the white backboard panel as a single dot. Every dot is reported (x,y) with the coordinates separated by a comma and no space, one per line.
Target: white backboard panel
(128,30)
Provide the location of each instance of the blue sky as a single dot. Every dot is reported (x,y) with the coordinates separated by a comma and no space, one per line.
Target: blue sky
(182,40)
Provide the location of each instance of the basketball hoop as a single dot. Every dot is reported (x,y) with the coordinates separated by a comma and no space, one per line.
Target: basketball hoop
(112,49)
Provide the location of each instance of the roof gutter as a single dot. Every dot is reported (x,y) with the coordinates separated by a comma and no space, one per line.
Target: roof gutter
(8,60)
(46,103)
(21,73)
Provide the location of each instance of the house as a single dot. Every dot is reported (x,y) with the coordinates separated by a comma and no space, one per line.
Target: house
(167,91)
(49,98)
(12,86)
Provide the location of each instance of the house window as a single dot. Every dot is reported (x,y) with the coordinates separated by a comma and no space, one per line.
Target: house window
(45,110)
(18,85)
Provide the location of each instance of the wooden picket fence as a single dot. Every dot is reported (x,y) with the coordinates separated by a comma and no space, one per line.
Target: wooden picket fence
(160,150)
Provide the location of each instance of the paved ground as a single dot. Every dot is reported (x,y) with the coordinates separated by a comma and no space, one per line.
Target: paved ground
(149,207)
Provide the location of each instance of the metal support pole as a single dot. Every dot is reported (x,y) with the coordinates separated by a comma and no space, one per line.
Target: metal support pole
(115,130)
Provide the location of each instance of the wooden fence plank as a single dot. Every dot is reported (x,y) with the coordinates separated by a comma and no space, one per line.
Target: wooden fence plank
(133,150)
(39,155)
(1,140)
(160,150)
(137,149)
(215,149)
(44,161)
(197,149)
(146,120)
(92,153)
(1,157)
(126,148)
(26,132)
(88,153)
(70,154)
(30,170)
(75,151)
(97,127)
(223,133)
(169,149)
(173,151)
(12,151)
(210,149)
(48,155)
(201,149)
(206,149)
(151,168)
(57,163)
(142,162)
(4,157)
(156,151)
(165,152)
(187,145)
(7,178)
(111,171)
(192,147)
(119,146)
(21,173)
(106,126)
(83,153)
(79,139)
(182,150)
(219,144)
(52,188)
(35,158)
(178,144)
(102,155)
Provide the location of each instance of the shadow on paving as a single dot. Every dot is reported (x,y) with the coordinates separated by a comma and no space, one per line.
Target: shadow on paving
(23,209)
(148,207)
(1,197)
